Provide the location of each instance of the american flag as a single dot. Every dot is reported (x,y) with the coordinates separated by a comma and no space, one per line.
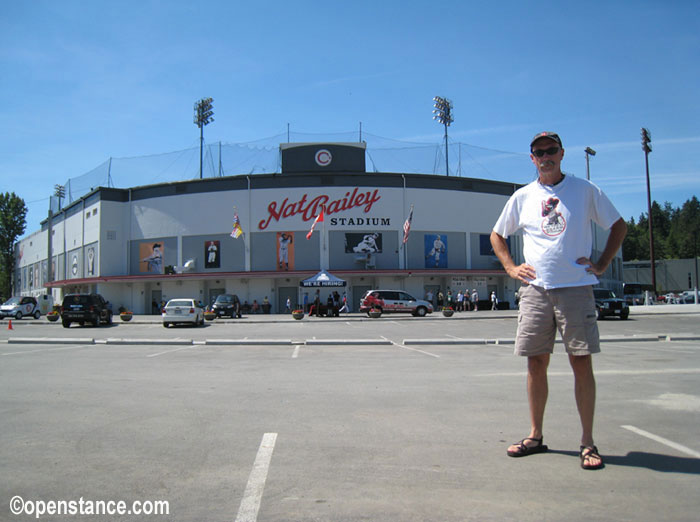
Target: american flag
(318,218)
(237,230)
(407,225)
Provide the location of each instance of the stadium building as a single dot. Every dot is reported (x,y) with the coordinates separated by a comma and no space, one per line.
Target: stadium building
(143,245)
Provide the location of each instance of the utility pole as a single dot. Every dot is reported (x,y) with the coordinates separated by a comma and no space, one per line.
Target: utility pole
(646,147)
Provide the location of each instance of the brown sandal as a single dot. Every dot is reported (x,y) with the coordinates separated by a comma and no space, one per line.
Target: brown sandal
(588,452)
(524,451)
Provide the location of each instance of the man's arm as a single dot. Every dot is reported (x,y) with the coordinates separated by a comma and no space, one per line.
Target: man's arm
(617,234)
(524,273)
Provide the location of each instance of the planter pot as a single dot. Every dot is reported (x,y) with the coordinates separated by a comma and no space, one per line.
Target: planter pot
(126,317)
(448,313)
(298,315)
(52,317)
(209,316)
(374,314)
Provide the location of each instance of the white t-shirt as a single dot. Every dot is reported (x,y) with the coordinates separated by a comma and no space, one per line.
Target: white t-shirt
(556,224)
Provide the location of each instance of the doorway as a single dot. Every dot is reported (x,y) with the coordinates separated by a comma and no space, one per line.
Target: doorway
(214,293)
(283,293)
(430,288)
(357,292)
(155,305)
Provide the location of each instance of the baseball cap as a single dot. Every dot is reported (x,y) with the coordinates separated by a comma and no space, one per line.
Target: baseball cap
(546,134)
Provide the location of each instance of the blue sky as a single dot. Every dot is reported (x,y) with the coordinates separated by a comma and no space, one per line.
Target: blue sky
(85,81)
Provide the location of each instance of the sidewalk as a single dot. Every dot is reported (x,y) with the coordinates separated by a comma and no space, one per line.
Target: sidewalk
(641,310)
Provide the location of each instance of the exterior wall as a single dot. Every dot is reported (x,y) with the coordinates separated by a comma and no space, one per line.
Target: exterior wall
(113,244)
(672,275)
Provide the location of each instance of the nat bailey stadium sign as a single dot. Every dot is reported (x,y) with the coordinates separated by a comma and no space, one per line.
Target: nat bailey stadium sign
(310,208)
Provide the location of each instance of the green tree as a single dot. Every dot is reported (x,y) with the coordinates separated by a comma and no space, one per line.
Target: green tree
(13,222)
(676,231)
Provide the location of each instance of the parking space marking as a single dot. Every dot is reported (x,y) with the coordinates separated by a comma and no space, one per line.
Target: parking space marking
(295,354)
(170,351)
(412,349)
(48,349)
(657,438)
(672,371)
(252,496)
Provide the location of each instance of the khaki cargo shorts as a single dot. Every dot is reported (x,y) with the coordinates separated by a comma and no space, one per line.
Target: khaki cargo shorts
(570,310)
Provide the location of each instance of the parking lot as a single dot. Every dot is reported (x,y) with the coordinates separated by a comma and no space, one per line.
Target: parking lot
(345,419)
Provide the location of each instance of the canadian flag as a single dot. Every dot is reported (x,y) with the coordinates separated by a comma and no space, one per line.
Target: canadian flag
(318,219)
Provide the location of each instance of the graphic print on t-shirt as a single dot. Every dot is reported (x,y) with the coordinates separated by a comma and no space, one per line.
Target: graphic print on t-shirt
(553,223)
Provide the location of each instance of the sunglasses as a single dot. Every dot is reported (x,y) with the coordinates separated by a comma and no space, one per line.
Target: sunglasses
(551,151)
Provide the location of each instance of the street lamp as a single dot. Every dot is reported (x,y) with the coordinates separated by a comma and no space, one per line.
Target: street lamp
(589,152)
(443,113)
(203,115)
(646,147)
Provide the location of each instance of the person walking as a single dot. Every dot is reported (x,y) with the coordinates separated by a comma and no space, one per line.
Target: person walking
(555,213)
(494,300)
(475,300)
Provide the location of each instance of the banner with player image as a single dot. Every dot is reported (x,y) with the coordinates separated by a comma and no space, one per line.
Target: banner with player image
(151,257)
(285,251)
(435,250)
(367,243)
(212,254)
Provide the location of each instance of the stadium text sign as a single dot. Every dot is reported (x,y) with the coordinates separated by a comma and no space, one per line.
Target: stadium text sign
(309,207)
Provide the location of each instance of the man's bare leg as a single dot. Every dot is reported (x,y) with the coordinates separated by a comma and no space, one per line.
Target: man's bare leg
(585,391)
(537,393)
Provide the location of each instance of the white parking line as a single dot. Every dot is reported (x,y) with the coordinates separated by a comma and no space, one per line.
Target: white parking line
(170,351)
(664,441)
(296,351)
(412,349)
(252,496)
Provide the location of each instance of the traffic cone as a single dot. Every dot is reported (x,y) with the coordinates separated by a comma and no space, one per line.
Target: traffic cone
(9,326)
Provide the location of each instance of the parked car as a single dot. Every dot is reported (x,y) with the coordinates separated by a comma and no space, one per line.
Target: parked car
(669,298)
(227,304)
(85,308)
(393,301)
(608,304)
(687,297)
(183,311)
(18,307)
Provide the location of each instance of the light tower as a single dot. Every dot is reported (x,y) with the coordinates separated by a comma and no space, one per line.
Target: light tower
(203,115)
(443,113)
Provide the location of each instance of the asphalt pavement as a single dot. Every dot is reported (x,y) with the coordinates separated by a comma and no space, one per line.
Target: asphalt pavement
(344,419)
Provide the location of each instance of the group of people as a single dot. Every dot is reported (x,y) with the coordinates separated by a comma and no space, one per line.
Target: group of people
(461,302)
(335,304)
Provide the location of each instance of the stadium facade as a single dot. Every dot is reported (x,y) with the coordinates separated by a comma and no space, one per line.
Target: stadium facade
(144,245)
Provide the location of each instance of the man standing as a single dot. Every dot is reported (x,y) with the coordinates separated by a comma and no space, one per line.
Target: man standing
(555,213)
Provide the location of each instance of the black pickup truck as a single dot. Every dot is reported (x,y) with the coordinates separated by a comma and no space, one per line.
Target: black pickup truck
(85,308)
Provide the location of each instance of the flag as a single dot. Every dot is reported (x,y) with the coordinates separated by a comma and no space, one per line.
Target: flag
(237,230)
(407,225)
(318,218)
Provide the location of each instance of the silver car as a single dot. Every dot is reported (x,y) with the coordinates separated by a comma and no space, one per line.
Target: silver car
(182,311)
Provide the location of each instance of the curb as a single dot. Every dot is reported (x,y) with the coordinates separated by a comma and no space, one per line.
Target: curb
(328,342)
(44,340)
(356,342)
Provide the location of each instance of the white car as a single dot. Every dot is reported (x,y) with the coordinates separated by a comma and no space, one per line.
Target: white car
(182,311)
(18,307)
